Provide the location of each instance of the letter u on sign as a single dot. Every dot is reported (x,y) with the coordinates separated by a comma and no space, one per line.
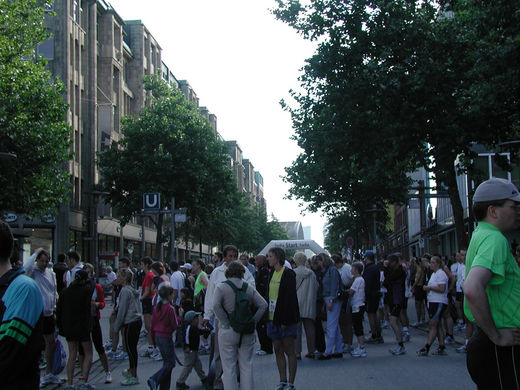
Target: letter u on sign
(152,201)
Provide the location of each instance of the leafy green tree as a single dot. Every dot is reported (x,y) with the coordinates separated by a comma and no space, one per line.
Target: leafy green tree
(395,85)
(32,116)
(170,148)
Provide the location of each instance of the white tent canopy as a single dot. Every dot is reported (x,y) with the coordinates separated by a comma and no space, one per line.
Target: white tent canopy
(293,244)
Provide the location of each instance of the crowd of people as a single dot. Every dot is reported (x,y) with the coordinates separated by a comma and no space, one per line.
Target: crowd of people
(215,308)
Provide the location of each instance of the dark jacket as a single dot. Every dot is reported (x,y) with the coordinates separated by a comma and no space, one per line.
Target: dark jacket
(371,276)
(262,279)
(73,312)
(60,269)
(286,311)
(395,284)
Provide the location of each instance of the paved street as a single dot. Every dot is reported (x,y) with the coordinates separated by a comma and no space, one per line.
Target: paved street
(380,370)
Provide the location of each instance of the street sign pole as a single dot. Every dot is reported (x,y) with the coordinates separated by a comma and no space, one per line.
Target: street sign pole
(172,242)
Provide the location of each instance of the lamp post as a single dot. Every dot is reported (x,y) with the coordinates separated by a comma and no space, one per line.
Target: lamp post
(96,197)
(374,210)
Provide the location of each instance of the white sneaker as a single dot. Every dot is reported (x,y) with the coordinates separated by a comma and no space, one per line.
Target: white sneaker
(359,352)
(147,352)
(50,379)
(261,352)
(449,340)
(461,349)
(107,345)
(398,351)
(156,355)
(108,377)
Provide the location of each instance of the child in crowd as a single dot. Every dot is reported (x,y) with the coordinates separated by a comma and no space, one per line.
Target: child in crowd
(164,322)
(191,349)
(357,293)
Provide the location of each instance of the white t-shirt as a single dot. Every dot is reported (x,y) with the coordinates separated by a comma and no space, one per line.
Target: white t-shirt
(358,299)
(461,277)
(346,275)
(381,281)
(177,281)
(70,275)
(437,279)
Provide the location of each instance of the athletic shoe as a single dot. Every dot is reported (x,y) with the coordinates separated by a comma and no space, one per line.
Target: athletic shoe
(449,340)
(375,340)
(107,345)
(156,356)
(143,333)
(347,348)
(359,352)
(261,352)
(181,386)
(111,354)
(108,377)
(85,386)
(129,381)
(422,352)
(440,352)
(50,379)
(147,352)
(406,337)
(152,384)
(398,351)
(126,373)
(385,324)
(282,386)
(461,349)
(121,356)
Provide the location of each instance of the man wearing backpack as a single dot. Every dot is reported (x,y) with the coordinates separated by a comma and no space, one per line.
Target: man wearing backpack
(230,254)
(236,338)
(21,307)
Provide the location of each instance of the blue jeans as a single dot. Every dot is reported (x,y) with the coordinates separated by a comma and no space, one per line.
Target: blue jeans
(164,376)
(334,342)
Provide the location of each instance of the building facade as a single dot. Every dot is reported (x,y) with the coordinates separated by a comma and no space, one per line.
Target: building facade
(101,59)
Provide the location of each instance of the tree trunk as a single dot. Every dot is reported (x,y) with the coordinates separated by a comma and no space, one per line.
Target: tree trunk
(456,205)
(159,239)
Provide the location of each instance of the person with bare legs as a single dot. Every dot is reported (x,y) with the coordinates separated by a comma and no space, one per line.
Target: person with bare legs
(437,290)
(75,321)
(284,315)
(395,277)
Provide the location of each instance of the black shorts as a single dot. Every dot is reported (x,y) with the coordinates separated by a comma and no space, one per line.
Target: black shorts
(49,325)
(395,309)
(419,293)
(147,306)
(372,300)
(357,321)
(491,366)
(436,310)
(459,296)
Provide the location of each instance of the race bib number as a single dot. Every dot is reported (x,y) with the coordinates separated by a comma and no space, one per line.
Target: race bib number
(272,305)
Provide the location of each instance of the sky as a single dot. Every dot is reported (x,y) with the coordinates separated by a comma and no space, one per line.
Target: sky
(241,62)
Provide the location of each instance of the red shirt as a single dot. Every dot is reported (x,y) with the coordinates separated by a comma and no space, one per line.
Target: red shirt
(147,282)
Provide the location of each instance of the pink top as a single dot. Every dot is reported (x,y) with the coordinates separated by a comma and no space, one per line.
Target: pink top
(164,322)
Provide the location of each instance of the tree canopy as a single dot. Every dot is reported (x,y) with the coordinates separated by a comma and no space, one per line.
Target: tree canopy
(172,149)
(395,85)
(32,116)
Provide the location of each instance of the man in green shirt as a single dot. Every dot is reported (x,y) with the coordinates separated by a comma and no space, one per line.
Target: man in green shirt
(492,288)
